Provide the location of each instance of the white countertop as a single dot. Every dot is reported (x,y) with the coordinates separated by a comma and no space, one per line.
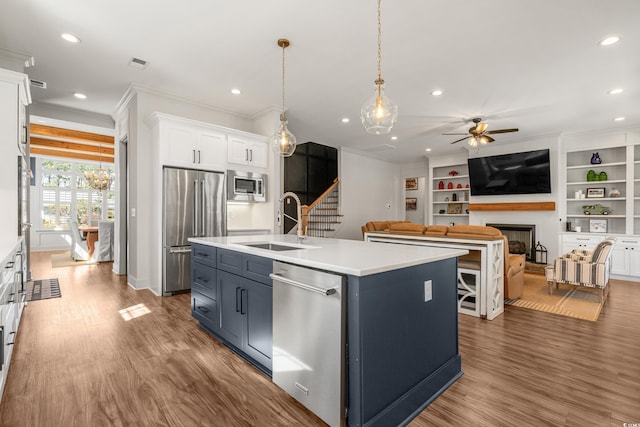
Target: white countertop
(352,257)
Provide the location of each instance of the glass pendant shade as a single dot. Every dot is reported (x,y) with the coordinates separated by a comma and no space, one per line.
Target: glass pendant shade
(283,142)
(379,113)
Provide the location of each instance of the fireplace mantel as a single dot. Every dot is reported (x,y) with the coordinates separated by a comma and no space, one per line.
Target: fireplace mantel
(519,206)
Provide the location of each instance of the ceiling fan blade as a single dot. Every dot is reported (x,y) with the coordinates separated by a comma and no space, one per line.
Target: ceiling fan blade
(480,127)
(488,138)
(462,139)
(501,131)
(455,134)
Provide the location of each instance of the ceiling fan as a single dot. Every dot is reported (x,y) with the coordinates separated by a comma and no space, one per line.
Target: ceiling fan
(479,133)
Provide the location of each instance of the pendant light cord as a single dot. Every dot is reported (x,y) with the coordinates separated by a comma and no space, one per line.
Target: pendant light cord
(379,42)
(283,48)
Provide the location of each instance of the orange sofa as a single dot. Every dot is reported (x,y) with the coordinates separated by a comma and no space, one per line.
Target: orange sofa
(513,263)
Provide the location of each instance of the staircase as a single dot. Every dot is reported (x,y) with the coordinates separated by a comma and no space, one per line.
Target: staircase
(322,218)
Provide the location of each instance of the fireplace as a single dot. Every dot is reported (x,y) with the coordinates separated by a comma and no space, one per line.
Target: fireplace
(522,238)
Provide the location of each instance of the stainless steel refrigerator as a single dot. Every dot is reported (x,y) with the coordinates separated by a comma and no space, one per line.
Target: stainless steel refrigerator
(194,205)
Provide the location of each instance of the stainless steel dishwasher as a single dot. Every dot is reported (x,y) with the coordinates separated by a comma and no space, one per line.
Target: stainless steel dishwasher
(309,339)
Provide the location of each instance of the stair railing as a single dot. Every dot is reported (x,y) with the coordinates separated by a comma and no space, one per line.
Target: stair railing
(318,203)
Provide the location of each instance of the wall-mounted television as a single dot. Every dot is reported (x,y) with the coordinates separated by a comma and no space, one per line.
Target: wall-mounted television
(518,173)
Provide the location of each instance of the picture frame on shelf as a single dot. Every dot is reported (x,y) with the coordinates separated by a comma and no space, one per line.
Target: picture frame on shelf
(595,193)
(597,225)
(411,183)
(454,208)
(411,203)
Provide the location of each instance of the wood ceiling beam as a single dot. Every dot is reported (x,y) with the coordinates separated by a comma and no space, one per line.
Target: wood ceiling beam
(70,146)
(75,135)
(70,154)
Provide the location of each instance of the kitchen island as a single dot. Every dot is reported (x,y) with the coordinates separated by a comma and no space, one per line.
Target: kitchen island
(396,325)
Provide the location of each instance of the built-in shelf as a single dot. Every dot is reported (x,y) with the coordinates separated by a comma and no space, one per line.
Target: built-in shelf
(598,183)
(439,174)
(597,166)
(594,216)
(593,200)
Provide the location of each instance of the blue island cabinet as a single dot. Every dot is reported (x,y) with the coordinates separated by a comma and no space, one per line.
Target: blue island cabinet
(403,342)
(401,329)
(232,300)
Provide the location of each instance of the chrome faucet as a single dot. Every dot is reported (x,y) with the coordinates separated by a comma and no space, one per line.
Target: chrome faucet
(298,220)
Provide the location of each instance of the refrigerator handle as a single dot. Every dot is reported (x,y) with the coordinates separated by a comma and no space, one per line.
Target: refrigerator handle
(202,209)
(195,208)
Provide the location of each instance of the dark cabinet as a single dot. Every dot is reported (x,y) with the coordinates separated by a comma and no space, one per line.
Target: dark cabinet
(204,306)
(233,301)
(246,316)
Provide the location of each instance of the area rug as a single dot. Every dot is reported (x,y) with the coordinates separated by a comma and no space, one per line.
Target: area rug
(43,289)
(65,260)
(565,301)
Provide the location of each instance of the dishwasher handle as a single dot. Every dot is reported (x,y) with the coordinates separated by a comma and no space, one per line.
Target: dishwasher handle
(283,279)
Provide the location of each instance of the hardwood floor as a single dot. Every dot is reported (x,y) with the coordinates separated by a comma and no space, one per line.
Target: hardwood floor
(78,362)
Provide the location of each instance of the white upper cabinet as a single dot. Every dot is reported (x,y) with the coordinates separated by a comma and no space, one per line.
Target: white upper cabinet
(14,97)
(191,144)
(248,151)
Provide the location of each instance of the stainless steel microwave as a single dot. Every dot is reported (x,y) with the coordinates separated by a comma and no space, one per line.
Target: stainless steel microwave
(246,186)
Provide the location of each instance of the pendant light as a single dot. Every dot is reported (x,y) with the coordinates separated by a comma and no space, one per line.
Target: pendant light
(98,179)
(283,141)
(379,113)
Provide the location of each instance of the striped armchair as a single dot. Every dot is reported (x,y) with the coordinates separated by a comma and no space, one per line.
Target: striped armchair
(590,269)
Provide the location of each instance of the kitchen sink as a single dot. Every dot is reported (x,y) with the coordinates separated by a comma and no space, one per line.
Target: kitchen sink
(276,246)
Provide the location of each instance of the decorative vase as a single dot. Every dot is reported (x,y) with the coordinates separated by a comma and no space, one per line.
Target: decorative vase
(595,159)
(441,185)
(591,175)
(459,186)
(454,197)
(450,185)
(614,192)
(602,176)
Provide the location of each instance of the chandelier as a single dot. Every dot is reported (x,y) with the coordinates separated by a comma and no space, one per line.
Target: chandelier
(283,141)
(379,113)
(98,179)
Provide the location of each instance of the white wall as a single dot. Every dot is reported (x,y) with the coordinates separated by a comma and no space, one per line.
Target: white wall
(418,170)
(369,191)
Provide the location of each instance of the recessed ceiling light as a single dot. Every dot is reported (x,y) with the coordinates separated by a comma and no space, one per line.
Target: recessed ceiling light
(427,149)
(236,91)
(345,120)
(80,95)
(70,38)
(618,119)
(394,138)
(436,92)
(609,41)
(615,91)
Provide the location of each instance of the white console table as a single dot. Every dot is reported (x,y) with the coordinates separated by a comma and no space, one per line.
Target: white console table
(485,300)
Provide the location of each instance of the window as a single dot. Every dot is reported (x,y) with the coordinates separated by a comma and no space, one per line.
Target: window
(65,195)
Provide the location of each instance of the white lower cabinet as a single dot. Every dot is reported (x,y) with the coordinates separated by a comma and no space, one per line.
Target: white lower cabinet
(587,242)
(625,259)
(12,301)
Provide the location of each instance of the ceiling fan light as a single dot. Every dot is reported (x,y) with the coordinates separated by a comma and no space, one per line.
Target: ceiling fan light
(483,139)
(473,142)
(379,113)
